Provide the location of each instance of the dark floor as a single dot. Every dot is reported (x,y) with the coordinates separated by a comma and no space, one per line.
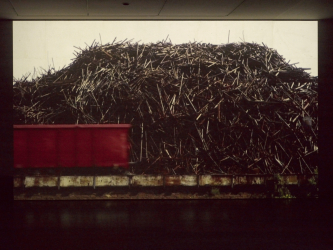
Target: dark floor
(162,224)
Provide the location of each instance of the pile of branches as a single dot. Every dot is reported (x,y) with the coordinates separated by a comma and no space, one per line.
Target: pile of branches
(194,108)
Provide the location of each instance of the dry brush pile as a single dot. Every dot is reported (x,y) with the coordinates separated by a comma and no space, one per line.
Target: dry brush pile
(195,108)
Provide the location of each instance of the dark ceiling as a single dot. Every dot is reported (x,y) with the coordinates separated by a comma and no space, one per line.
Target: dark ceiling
(166,9)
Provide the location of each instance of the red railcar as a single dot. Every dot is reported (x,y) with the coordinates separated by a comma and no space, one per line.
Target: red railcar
(69,146)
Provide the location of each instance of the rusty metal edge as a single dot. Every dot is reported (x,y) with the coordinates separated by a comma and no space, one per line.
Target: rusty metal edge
(40,181)
(170,180)
(86,183)
(112,184)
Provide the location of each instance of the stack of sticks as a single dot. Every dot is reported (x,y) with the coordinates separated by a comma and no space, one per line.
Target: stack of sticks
(194,108)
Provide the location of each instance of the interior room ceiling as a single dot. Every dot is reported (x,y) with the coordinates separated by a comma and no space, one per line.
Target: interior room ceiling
(166,9)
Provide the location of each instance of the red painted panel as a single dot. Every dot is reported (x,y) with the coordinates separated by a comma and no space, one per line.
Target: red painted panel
(111,147)
(67,150)
(71,145)
(84,147)
(20,149)
(42,148)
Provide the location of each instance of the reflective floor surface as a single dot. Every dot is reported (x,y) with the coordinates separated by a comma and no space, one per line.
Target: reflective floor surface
(161,224)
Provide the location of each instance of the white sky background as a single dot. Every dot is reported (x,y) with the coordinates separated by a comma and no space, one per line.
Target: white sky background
(51,43)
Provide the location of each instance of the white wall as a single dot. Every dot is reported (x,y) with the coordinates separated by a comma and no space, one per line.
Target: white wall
(47,43)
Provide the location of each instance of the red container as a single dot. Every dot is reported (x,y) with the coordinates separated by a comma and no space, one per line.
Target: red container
(101,145)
